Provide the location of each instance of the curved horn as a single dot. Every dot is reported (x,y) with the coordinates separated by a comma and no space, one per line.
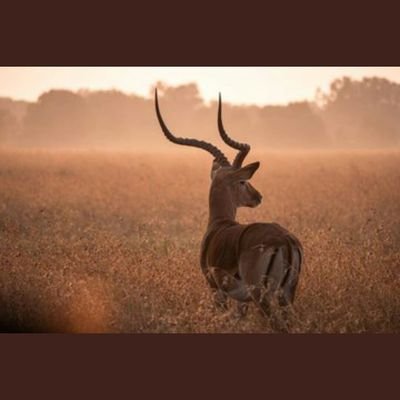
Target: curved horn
(219,156)
(243,148)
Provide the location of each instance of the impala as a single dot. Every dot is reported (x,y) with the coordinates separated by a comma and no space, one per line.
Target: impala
(258,262)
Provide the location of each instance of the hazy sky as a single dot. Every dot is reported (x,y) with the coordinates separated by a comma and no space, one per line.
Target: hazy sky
(257,85)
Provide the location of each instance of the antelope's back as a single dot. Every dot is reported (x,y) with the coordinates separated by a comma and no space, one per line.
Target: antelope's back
(268,234)
(223,246)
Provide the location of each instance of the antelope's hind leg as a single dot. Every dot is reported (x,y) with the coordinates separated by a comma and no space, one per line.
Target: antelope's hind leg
(241,309)
(254,265)
(229,285)
(271,281)
(220,298)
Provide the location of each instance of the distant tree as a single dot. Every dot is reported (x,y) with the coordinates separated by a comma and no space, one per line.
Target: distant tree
(8,127)
(352,114)
(294,125)
(59,117)
(16,107)
(362,113)
(185,96)
(116,118)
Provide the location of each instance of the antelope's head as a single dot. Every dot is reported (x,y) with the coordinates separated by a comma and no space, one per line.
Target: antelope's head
(228,181)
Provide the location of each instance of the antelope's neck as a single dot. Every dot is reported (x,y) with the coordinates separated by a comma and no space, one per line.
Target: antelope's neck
(221,206)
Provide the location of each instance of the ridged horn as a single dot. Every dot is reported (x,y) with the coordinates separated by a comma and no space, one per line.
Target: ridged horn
(219,156)
(243,148)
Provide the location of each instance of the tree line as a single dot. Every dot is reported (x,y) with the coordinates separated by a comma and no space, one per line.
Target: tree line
(352,114)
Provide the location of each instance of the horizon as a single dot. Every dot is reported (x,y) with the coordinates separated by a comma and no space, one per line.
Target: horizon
(238,85)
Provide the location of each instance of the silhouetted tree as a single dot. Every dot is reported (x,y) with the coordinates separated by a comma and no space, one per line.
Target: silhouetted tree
(362,113)
(59,117)
(294,125)
(8,127)
(117,119)
(352,114)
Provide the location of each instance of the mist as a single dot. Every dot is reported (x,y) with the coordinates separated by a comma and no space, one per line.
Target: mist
(351,114)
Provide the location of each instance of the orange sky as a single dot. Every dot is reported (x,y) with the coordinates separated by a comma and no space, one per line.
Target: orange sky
(257,85)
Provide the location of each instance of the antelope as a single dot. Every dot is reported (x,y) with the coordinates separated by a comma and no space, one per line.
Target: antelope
(257,262)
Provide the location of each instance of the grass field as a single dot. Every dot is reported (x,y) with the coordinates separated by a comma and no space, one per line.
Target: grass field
(109,242)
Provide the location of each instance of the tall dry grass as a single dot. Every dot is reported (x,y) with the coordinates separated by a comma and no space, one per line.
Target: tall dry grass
(109,242)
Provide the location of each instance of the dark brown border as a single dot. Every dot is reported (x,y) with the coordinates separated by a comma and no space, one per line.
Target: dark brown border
(178,33)
(201,366)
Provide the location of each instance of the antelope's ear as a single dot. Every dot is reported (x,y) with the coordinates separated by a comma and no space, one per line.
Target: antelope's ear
(215,166)
(245,173)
